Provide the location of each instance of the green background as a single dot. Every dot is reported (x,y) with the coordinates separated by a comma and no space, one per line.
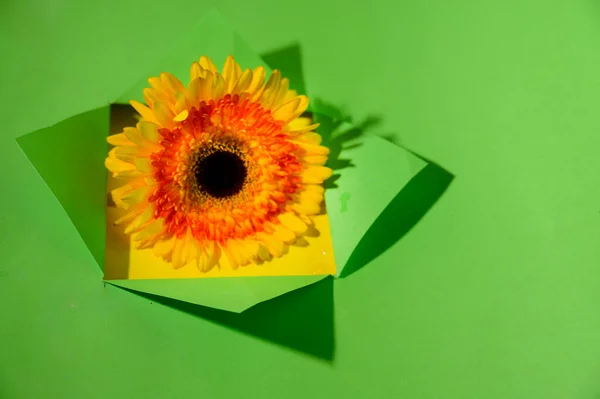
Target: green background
(493,294)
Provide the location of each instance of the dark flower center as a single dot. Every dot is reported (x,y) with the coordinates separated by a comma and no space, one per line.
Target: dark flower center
(221,174)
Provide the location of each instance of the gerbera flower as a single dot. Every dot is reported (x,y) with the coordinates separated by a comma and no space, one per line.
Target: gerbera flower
(224,166)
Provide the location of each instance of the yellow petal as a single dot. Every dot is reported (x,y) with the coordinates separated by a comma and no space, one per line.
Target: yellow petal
(119,140)
(218,87)
(163,114)
(275,247)
(150,231)
(164,247)
(181,116)
(187,249)
(149,131)
(144,111)
(181,102)
(144,165)
(271,90)
(134,135)
(212,256)
(130,215)
(315,159)
(289,95)
(285,111)
(283,89)
(158,85)
(231,73)
(301,108)
(139,221)
(151,96)
(171,82)
(127,154)
(177,261)
(116,165)
(263,253)
(291,110)
(309,199)
(259,75)
(250,249)
(196,71)
(316,174)
(200,89)
(127,174)
(136,196)
(118,193)
(242,252)
(232,254)
(243,82)
(207,64)
(292,222)
(284,234)
(309,138)
(307,208)
(201,256)
(310,149)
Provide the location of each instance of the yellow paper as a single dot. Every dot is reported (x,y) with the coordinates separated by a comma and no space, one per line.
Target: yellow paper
(310,256)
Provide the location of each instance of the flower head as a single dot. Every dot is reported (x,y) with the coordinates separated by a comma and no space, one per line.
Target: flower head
(224,166)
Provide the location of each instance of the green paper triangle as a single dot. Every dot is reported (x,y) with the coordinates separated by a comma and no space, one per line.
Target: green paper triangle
(69,156)
(375,172)
(234,294)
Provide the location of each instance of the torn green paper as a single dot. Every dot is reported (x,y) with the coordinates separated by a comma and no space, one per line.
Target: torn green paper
(78,181)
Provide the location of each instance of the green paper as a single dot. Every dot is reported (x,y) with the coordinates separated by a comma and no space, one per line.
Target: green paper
(493,295)
(231,294)
(78,181)
(377,173)
(69,156)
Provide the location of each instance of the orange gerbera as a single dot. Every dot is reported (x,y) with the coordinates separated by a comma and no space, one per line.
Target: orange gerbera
(226,166)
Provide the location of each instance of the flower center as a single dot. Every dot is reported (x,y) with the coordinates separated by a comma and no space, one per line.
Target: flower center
(221,174)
